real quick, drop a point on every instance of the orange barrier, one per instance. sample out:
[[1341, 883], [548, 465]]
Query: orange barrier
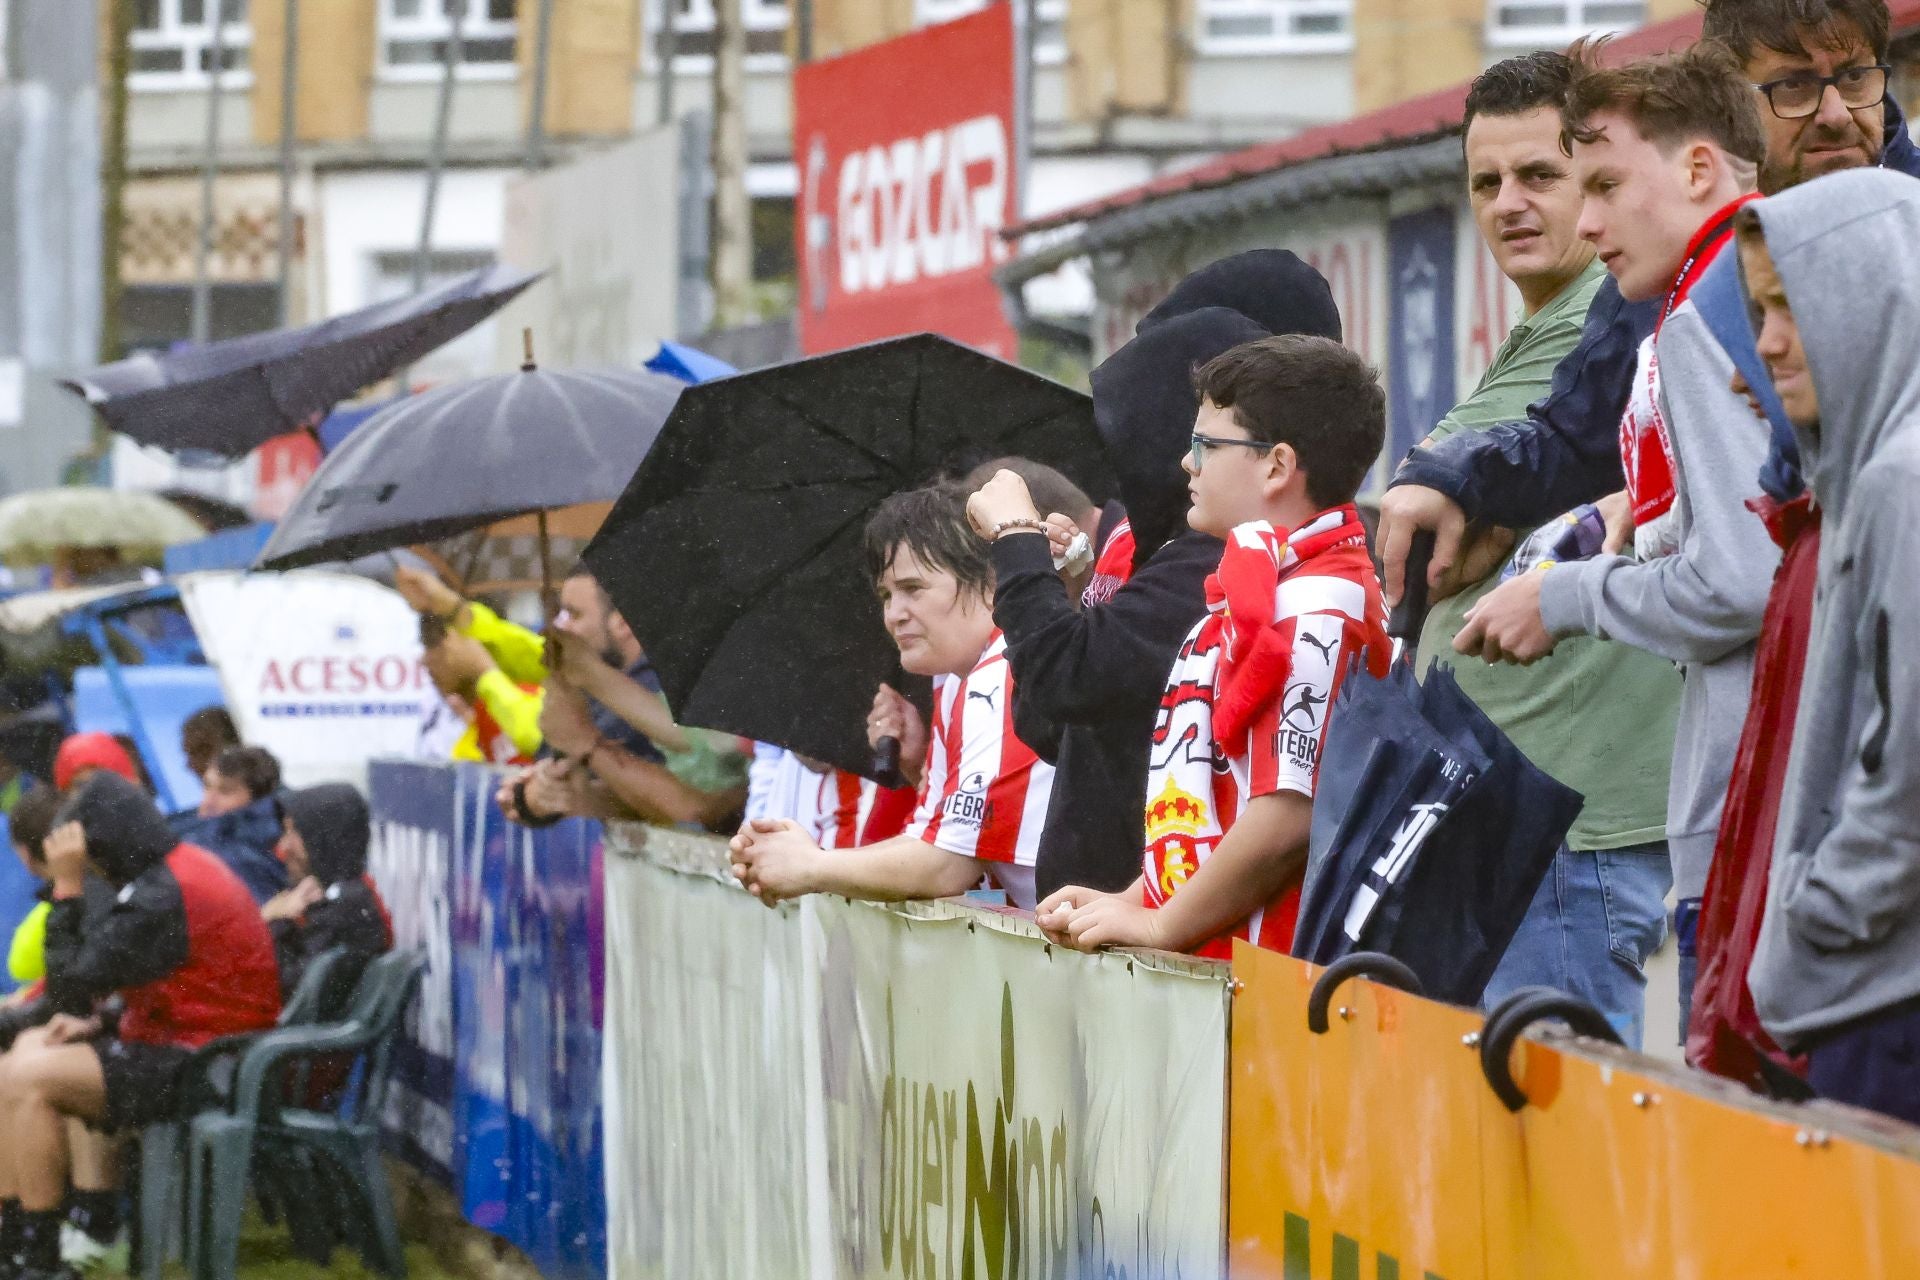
[[1378, 1151]]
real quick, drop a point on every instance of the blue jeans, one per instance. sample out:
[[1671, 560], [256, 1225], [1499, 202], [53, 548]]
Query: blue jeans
[[1686, 940], [1597, 917]]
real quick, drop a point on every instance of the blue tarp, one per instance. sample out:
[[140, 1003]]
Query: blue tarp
[[228, 549], [500, 1071]]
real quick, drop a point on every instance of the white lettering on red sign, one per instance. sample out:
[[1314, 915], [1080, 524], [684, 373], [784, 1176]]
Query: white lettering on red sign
[[923, 207]]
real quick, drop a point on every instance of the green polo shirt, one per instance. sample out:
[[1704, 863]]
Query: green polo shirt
[[1596, 714]]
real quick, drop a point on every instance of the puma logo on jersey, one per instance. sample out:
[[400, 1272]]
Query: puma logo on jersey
[[985, 695], [1326, 647]]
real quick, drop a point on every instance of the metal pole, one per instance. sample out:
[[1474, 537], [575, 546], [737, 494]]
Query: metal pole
[[664, 50], [1025, 38], [537, 108], [732, 261], [289, 76], [113, 179], [803, 31], [209, 168], [437, 146]]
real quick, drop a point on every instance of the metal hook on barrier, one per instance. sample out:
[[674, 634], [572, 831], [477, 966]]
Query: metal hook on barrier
[[1514, 1015], [1376, 965]]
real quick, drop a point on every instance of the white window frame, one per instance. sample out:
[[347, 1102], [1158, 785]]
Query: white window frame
[[1050, 53], [435, 22], [1552, 37], [195, 42], [1282, 39], [756, 15]]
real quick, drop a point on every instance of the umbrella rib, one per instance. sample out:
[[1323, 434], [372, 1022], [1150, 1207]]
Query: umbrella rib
[[827, 428]]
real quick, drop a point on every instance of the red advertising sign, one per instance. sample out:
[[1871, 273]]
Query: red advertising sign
[[906, 154]]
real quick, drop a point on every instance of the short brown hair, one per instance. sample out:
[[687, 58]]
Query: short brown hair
[[931, 523], [254, 768], [1789, 26], [1700, 93], [1308, 392]]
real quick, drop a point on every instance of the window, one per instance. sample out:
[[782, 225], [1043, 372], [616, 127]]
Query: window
[[1276, 26], [414, 34], [1050, 17], [766, 22], [172, 43], [1545, 24]]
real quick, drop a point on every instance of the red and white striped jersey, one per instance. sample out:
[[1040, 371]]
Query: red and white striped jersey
[[853, 811], [985, 792], [1206, 764]]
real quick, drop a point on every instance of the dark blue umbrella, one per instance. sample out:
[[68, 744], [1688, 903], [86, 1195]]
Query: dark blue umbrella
[[230, 397], [466, 455], [1431, 833]]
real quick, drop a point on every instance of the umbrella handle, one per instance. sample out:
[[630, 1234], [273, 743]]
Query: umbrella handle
[[1514, 1015], [1406, 618], [1377, 965], [886, 763]]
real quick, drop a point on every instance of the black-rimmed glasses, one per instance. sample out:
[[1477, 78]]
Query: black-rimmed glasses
[[1197, 447], [1796, 97]]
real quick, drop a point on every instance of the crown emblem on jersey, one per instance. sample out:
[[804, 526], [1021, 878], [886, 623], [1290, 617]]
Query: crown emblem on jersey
[[1175, 812]]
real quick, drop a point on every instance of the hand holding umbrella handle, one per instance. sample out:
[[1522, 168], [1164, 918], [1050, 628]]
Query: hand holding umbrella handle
[[1407, 617], [886, 763]]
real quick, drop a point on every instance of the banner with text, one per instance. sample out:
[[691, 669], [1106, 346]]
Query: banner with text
[[906, 178]]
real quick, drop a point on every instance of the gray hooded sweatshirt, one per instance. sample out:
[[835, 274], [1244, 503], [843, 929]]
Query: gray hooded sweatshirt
[[1841, 937], [1701, 605]]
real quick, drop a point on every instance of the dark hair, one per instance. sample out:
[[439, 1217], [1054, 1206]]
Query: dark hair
[[1700, 93], [1786, 26], [1051, 491], [1311, 393], [213, 725], [253, 767], [32, 818], [931, 523], [432, 631], [1519, 84]]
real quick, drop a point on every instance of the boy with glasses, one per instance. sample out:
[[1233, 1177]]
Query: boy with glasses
[[1286, 432]]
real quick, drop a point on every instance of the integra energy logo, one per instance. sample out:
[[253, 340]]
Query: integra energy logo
[[969, 1188]]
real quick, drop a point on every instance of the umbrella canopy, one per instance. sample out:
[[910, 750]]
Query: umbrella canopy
[[735, 554], [36, 525], [1431, 833], [467, 455], [229, 397]]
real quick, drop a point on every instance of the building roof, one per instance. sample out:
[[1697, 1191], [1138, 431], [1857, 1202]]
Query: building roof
[[1413, 121]]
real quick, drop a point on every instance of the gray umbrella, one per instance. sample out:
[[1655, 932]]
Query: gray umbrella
[[229, 397], [466, 455]]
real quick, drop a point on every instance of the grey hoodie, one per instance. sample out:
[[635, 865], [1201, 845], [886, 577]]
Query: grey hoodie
[[1700, 606], [1841, 937]]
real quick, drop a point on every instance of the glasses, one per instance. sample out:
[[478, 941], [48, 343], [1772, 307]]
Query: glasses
[[1798, 96], [1198, 446]]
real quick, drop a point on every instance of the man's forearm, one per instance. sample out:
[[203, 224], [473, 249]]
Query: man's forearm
[[1266, 849], [638, 705], [647, 788], [897, 870]]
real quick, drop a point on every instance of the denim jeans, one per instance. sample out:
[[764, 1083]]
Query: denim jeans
[[1597, 917], [1686, 941]]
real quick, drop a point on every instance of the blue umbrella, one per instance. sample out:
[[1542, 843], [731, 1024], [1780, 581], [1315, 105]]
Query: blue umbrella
[[230, 397], [689, 364]]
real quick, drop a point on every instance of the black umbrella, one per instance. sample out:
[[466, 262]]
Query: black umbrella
[[231, 396], [735, 554], [462, 456], [1431, 833]]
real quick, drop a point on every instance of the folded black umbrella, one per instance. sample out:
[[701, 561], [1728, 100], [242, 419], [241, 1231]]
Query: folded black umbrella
[[735, 554], [1431, 833], [462, 456], [231, 396]]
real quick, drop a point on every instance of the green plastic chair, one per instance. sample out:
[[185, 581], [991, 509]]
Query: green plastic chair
[[315, 1158], [162, 1227]]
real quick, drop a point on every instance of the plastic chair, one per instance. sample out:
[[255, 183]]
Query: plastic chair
[[162, 1228], [314, 1156]]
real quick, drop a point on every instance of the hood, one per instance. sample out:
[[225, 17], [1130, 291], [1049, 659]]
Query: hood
[[125, 833], [1843, 247], [1721, 299], [1271, 287], [1143, 405], [333, 823], [1898, 152], [91, 751]]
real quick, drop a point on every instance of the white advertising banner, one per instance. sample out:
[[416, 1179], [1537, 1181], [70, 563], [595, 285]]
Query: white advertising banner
[[840, 1089], [322, 669]]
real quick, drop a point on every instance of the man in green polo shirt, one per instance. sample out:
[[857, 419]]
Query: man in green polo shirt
[[1595, 714]]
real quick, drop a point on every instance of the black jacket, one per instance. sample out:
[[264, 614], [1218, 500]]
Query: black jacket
[[1091, 682], [334, 825], [1567, 449]]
